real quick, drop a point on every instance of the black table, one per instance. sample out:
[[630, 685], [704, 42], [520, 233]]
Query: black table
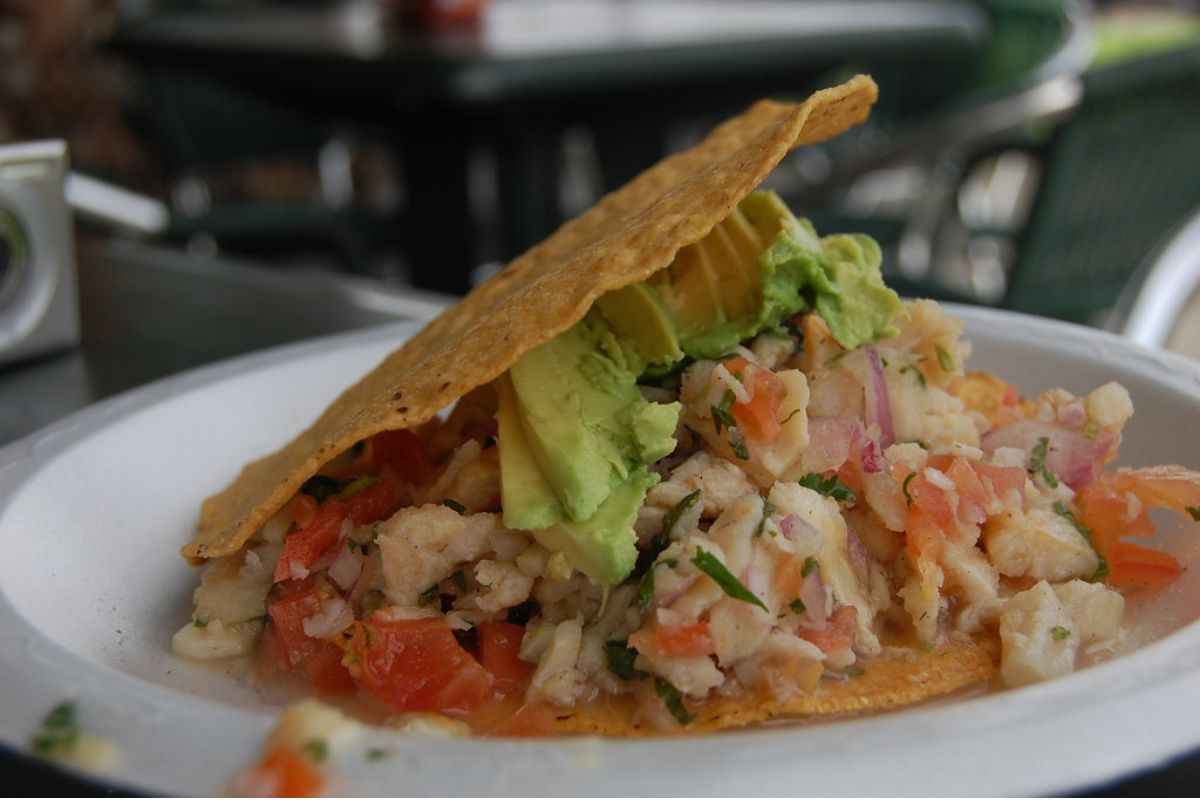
[[627, 73]]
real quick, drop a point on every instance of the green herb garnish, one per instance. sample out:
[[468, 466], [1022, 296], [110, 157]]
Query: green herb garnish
[[351, 545], [797, 606], [454, 504], [1059, 633], [377, 754], [835, 359], [200, 622], [920, 376], [810, 564], [1064, 512], [672, 699], [428, 596], [316, 750], [460, 580], [855, 672], [722, 413], [737, 443], [1091, 430], [925, 647], [1037, 462], [830, 487], [711, 566], [620, 661], [904, 488], [59, 731], [645, 594], [672, 517], [1194, 512], [944, 360]]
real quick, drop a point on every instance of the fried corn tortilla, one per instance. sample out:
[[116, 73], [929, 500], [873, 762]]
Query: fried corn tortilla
[[628, 236]]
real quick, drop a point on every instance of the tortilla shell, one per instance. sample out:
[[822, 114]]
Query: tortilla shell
[[629, 235], [900, 678]]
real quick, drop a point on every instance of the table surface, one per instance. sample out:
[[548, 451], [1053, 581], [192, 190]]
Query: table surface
[[148, 313]]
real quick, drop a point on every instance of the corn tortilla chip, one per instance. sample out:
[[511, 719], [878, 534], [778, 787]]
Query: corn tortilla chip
[[629, 235]]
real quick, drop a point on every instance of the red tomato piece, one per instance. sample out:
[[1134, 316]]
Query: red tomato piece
[[404, 453], [1131, 566], [288, 773], [417, 665], [838, 632], [759, 417], [374, 503], [684, 641], [302, 548], [287, 618], [326, 671], [499, 643]]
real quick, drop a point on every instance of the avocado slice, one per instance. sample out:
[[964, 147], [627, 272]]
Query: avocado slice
[[603, 547], [636, 313]]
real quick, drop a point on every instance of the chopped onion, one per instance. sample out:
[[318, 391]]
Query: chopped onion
[[879, 407], [346, 568]]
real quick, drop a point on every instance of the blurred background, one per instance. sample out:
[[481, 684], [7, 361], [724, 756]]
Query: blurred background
[[364, 155]]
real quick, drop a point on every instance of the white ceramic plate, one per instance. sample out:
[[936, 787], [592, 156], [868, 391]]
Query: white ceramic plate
[[93, 511]]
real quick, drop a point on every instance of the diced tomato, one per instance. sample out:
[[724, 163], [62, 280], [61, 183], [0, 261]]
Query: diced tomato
[[374, 503], [1105, 507], [302, 548], [286, 773], [838, 632], [1012, 396], [759, 417], [404, 453], [303, 509], [499, 643], [1132, 566], [326, 671], [287, 618], [417, 665], [684, 641]]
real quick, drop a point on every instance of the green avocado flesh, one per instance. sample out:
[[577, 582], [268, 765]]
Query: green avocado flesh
[[576, 435]]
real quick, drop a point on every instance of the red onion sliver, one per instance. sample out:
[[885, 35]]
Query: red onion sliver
[[879, 407]]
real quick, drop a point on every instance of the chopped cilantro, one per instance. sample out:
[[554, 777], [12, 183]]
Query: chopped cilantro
[[855, 672], [925, 647], [944, 360], [1060, 633], [712, 567], [59, 731], [904, 488], [835, 359], [722, 413], [377, 754], [1091, 430], [920, 376], [768, 509], [737, 443], [620, 660], [672, 699], [645, 594], [830, 487], [672, 517], [1194, 512], [1037, 462], [454, 504], [1064, 512], [810, 564], [200, 622], [316, 750], [428, 596], [797, 606]]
